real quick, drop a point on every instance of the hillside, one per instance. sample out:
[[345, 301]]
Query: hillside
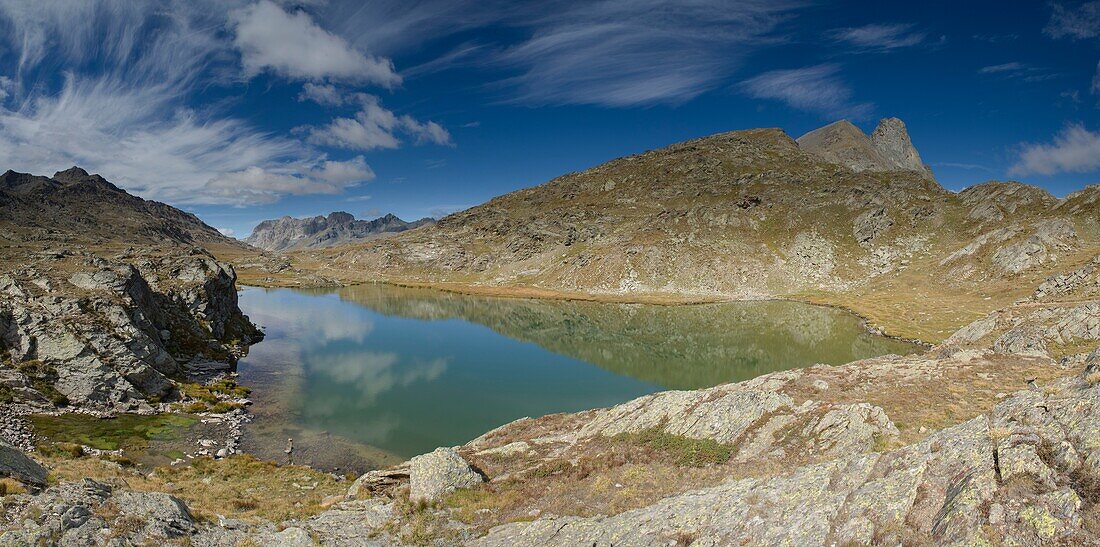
[[75, 207], [748, 214], [288, 233]]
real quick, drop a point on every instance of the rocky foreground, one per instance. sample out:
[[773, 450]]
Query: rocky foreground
[[990, 438]]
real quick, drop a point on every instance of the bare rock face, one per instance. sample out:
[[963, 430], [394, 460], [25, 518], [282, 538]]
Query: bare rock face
[[891, 140], [109, 337], [92, 513], [751, 416], [15, 464], [319, 232], [887, 149]]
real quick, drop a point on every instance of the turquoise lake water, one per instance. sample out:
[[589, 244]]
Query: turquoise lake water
[[368, 375]]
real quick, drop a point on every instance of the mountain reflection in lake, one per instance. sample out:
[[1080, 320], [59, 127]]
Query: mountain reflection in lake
[[364, 375]]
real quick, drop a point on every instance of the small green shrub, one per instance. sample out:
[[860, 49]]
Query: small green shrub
[[684, 451]]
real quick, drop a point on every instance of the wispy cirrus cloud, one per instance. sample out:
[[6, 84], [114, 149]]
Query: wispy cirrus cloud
[[1074, 150], [1016, 69], [818, 89], [880, 37], [1076, 23], [112, 86], [615, 53], [637, 51]]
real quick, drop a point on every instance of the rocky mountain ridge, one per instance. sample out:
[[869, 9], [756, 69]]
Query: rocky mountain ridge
[[288, 233], [76, 206]]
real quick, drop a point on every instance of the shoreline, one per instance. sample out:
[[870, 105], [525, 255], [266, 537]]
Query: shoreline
[[651, 299]]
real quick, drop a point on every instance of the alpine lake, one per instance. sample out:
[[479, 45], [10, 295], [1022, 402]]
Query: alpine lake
[[367, 376], [370, 375]]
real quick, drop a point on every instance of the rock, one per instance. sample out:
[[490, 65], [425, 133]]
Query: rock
[[510, 449], [15, 464], [103, 346], [438, 473], [887, 149], [165, 516], [292, 537], [842, 501], [750, 416]]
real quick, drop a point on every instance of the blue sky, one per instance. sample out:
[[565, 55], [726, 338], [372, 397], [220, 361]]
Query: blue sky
[[242, 110]]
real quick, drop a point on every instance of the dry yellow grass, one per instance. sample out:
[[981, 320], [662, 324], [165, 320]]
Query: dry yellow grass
[[240, 487]]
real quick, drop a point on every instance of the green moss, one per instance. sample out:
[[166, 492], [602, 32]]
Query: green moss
[[126, 431], [685, 451], [214, 397]]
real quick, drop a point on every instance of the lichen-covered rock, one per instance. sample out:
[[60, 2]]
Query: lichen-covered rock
[[849, 500], [109, 339], [438, 473], [751, 416], [1020, 475]]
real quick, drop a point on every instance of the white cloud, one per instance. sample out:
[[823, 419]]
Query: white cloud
[[1015, 69], [879, 36], [343, 172], [227, 232], [294, 46], [814, 89], [1080, 23], [1074, 150], [375, 127], [257, 185], [426, 132], [322, 94]]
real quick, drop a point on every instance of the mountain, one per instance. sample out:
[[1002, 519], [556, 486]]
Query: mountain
[[74, 206], [750, 214], [319, 231], [887, 149]]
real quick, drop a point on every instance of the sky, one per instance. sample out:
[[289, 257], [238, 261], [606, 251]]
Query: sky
[[244, 110]]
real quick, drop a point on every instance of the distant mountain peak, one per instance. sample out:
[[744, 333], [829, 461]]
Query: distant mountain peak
[[336, 228], [889, 147], [72, 173]]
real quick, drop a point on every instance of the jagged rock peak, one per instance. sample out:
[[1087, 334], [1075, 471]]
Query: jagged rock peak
[[891, 139], [889, 147], [71, 173]]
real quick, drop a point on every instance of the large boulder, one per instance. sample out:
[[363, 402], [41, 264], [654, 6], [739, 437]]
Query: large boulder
[[433, 475], [165, 516], [15, 464]]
